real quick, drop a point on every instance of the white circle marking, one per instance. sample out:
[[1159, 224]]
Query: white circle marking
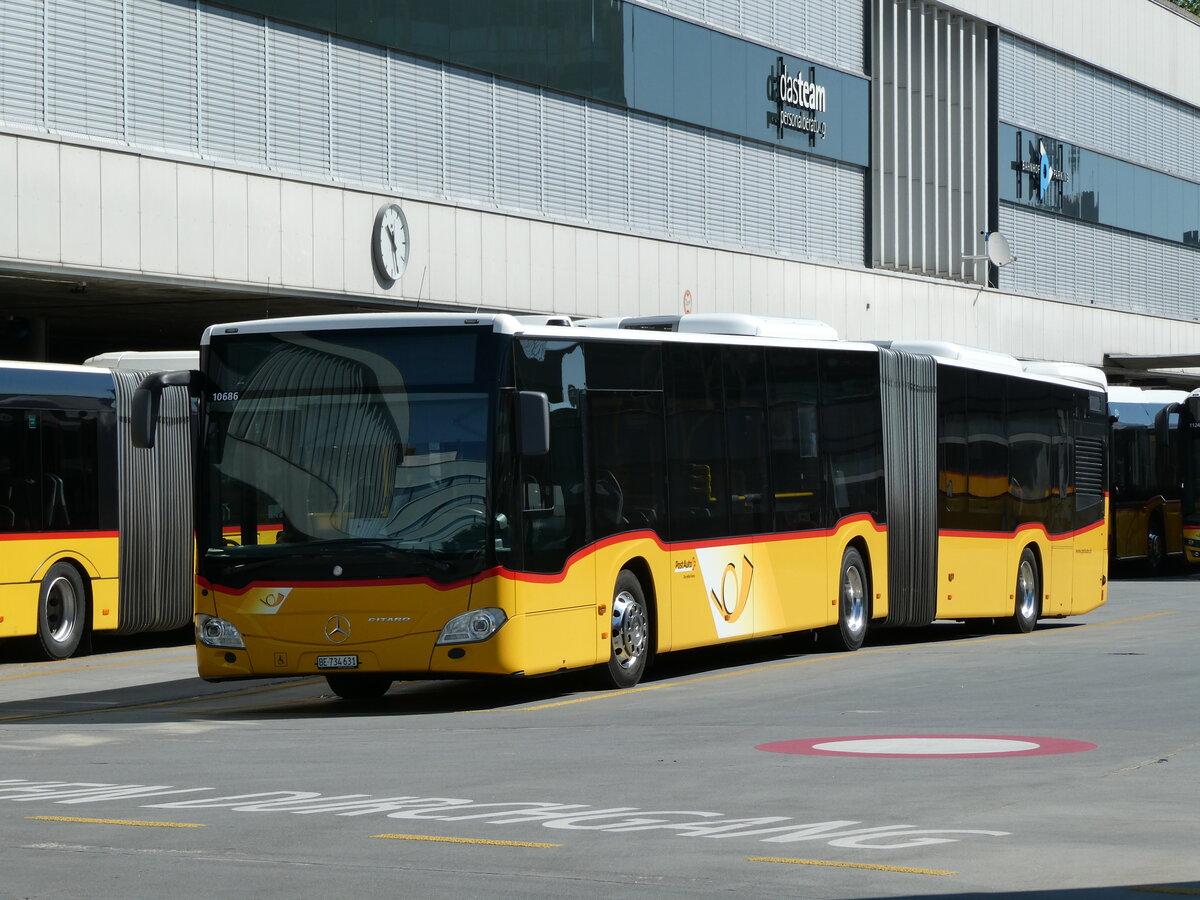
[[919, 746]]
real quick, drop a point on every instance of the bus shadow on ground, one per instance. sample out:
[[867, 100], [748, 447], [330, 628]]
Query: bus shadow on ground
[[308, 697]]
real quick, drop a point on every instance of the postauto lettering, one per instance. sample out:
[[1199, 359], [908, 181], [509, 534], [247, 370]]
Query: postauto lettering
[[573, 816]]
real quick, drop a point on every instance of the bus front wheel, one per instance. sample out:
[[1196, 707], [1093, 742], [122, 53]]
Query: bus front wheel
[[359, 687], [1028, 594], [630, 633], [62, 611], [854, 586]]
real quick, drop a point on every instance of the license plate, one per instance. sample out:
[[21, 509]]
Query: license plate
[[337, 662]]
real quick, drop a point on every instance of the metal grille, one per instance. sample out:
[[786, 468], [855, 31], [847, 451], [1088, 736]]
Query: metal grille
[[930, 159], [1089, 467]]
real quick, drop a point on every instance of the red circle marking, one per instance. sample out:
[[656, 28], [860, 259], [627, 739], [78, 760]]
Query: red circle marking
[[929, 746]]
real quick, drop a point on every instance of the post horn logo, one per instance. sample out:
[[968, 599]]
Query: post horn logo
[[735, 592]]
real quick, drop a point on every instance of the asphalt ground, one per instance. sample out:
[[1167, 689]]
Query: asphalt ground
[[942, 761]]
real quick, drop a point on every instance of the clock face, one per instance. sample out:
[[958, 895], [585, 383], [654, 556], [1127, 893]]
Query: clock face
[[389, 244]]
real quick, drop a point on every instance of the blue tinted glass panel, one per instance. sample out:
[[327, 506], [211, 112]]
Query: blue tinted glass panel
[[1096, 188], [693, 55], [728, 99], [653, 63]]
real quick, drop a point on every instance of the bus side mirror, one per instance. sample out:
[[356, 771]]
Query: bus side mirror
[[1193, 407], [533, 423], [143, 416]]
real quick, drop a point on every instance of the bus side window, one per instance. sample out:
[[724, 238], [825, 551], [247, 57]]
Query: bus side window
[[793, 439]]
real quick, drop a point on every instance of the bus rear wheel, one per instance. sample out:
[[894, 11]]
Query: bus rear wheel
[[1156, 553], [359, 687], [854, 611], [62, 611], [1028, 595], [630, 633]]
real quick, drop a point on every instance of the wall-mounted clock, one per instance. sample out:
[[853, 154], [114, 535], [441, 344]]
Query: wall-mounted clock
[[390, 242]]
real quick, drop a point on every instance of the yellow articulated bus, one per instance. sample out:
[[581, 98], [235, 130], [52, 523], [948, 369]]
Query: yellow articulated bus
[[431, 496], [94, 534]]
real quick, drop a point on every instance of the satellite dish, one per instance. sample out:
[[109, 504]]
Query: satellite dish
[[996, 246]]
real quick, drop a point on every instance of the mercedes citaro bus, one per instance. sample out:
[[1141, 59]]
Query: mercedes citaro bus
[[388, 496]]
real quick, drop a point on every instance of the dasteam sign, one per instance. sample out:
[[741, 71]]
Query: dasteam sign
[[798, 101]]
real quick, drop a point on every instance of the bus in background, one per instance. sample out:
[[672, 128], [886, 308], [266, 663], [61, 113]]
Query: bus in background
[[445, 495], [95, 535], [1146, 476], [1189, 432]]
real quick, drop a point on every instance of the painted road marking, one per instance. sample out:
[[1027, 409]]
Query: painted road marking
[[930, 746], [116, 822], [454, 840], [846, 865]]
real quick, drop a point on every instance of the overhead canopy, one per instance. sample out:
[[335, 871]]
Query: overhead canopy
[[1171, 370]]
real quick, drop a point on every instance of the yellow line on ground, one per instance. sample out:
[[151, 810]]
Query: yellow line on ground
[[808, 660], [71, 670], [846, 865], [454, 840], [116, 822], [66, 714]]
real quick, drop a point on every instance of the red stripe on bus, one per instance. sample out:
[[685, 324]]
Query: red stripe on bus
[[56, 535]]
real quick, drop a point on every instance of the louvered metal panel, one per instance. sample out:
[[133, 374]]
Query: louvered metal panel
[[161, 70], [930, 165], [909, 398], [417, 127], [157, 549], [686, 180], [298, 94], [21, 62], [85, 68], [233, 94], [768, 221], [470, 148], [607, 148], [725, 186], [360, 113], [648, 176], [520, 148], [565, 186]]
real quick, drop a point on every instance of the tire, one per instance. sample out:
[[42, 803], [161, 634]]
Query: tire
[[1156, 549], [630, 633], [1028, 595], [359, 687], [62, 611], [854, 605]]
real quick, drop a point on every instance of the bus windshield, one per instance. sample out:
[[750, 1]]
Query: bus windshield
[[371, 442]]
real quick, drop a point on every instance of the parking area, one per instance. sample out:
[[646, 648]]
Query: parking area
[[935, 762]]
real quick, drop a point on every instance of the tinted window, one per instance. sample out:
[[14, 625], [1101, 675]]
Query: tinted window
[[745, 430], [628, 484], [987, 452], [552, 486], [696, 442], [852, 431], [794, 439], [953, 467]]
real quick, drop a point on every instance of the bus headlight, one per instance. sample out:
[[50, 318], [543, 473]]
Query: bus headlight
[[472, 627], [214, 632]]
